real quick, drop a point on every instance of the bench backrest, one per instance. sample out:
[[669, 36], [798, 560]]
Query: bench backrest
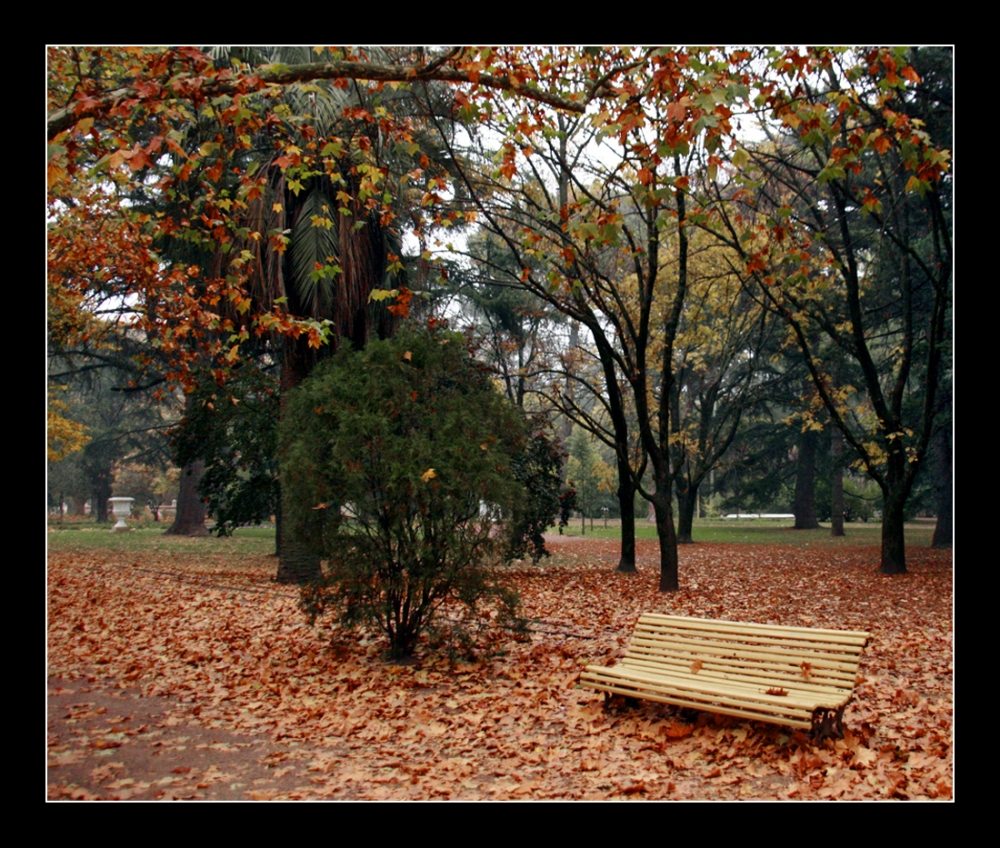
[[798, 658]]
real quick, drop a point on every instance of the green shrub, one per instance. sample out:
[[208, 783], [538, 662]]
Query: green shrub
[[398, 463], [537, 466], [235, 431]]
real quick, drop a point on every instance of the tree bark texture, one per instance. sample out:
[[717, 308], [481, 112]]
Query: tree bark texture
[[943, 529], [296, 563], [687, 503], [805, 483], [190, 517], [626, 502], [99, 501], [837, 482], [893, 541], [669, 571]]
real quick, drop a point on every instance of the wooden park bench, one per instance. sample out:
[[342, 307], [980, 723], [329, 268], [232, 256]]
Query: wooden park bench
[[797, 676]]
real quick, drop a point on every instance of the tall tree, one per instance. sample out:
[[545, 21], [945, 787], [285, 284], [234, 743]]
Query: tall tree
[[843, 220], [722, 372], [621, 209]]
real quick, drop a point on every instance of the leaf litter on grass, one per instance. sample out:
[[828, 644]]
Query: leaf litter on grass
[[227, 651]]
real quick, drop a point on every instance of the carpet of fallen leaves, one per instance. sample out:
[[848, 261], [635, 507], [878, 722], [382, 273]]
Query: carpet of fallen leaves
[[192, 677]]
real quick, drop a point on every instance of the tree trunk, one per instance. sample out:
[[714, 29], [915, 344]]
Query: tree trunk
[[570, 391], [663, 509], [278, 526], [837, 483], [99, 501], [942, 530], [296, 563], [190, 517], [687, 502], [626, 503], [805, 483], [893, 541]]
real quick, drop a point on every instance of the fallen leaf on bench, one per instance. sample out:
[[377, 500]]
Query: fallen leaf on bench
[[774, 691], [696, 666], [806, 669]]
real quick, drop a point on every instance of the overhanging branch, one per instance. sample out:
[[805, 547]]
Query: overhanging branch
[[63, 119]]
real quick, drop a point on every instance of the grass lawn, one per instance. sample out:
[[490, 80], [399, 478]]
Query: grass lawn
[[763, 532], [246, 541], [252, 541]]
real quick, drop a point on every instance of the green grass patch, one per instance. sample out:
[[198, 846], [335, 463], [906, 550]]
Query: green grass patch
[[248, 541], [763, 532], [259, 541]]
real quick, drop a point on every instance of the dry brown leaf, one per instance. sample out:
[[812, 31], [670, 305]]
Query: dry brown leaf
[[209, 635], [678, 731]]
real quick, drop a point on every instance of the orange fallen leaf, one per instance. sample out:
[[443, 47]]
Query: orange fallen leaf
[[678, 731]]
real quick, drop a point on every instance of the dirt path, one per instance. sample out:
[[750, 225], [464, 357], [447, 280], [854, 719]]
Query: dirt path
[[106, 742]]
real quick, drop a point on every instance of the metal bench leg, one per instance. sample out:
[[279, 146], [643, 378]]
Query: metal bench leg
[[827, 723], [629, 701]]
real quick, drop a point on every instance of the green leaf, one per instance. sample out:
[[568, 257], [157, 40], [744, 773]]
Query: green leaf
[[831, 172]]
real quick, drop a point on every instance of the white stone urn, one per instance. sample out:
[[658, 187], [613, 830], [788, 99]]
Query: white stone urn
[[122, 508]]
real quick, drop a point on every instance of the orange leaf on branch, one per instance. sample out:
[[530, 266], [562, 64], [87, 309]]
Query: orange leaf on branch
[[401, 307]]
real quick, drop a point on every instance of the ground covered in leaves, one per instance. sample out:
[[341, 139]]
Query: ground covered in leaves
[[193, 676]]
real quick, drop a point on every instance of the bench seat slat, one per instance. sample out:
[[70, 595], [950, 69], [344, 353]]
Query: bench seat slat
[[844, 676], [720, 625], [697, 705], [787, 681], [722, 688], [771, 636], [761, 643], [839, 662]]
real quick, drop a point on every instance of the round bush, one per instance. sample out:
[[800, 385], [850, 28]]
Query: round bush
[[398, 463]]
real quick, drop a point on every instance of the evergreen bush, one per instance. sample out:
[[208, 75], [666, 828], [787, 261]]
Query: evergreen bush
[[399, 465]]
